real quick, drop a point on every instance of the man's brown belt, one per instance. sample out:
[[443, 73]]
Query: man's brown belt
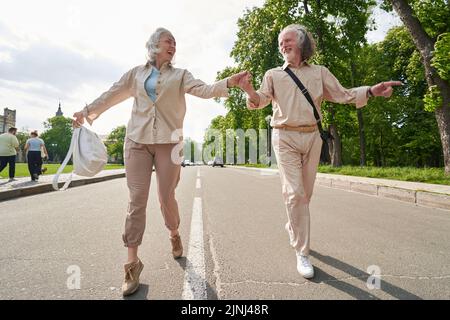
[[307, 128]]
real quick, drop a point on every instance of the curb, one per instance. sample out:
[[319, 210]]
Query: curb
[[418, 197], [47, 187]]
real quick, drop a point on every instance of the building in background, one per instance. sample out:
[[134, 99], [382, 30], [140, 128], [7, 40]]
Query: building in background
[[59, 112], [7, 120]]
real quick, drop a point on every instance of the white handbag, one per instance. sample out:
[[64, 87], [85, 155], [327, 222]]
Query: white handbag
[[89, 156]]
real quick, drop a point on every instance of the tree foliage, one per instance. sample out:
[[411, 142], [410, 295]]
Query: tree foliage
[[115, 143], [57, 137]]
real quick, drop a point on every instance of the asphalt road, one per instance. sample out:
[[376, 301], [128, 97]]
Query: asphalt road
[[240, 251]]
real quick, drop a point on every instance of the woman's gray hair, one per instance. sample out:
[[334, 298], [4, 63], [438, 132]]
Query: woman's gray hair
[[305, 40], [152, 44]]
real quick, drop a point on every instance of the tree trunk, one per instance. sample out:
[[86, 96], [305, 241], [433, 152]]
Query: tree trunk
[[335, 147], [425, 45], [362, 139], [381, 150]]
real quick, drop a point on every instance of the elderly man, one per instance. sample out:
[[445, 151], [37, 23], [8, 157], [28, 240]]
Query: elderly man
[[296, 139], [9, 145]]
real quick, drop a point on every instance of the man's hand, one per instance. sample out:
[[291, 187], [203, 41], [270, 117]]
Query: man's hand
[[79, 119], [384, 89]]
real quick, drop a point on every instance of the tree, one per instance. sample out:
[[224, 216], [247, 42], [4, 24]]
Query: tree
[[115, 143], [426, 21], [399, 132], [22, 137], [57, 137]]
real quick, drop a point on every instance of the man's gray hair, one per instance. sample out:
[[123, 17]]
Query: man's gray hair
[[305, 40], [152, 44]]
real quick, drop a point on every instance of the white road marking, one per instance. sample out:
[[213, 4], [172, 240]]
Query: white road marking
[[198, 184], [194, 287]]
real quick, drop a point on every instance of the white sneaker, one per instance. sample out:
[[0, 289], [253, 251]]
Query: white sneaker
[[304, 266]]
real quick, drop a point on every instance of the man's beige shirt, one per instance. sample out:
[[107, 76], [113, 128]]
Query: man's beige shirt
[[290, 106], [160, 121]]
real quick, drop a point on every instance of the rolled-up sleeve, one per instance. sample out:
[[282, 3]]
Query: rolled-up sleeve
[[120, 91], [333, 91], [265, 93], [200, 89]]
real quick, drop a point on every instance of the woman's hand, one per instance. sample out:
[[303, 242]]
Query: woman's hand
[[79, 119]]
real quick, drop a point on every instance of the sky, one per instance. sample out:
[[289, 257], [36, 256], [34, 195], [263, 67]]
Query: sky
[[72, 51]]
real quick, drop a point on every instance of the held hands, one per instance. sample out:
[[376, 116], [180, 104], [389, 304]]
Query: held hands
[[235, 79], [384, 89], [244, 81]]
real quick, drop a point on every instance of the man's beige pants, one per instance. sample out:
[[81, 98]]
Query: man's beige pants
[[298, 156], [139, 161]]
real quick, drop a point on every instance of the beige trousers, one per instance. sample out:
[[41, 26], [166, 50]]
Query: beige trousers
[[298, 156], [139, 162]]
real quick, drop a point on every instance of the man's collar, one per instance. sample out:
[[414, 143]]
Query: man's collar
[[287, 64]]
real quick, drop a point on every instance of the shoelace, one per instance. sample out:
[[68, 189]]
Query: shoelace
[[129, 275], [305, 262]]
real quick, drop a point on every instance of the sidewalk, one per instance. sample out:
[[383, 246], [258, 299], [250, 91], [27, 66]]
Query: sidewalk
[[24, 186], [421, 194]]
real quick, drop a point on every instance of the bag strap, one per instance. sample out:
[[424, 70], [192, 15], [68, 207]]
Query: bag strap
[[307, 96], [74, 140]]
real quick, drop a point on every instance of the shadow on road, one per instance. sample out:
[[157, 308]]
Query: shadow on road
[[358, 293], [211, 293], [140, 294], [25, 184]]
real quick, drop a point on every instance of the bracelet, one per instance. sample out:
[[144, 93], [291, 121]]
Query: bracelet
[[369, 92]]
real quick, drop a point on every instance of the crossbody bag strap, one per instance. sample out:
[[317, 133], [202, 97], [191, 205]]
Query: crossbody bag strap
[[74, 140], [307, 96]]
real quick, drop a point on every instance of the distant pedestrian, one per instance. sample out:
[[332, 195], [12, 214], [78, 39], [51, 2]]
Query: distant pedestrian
[[35, 147], [9, 145]]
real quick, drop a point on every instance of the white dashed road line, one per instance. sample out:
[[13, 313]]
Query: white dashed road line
[[194, 287]]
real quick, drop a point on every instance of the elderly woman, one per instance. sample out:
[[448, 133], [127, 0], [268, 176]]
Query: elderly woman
[[153, 135], [296, 139], [35, 147]]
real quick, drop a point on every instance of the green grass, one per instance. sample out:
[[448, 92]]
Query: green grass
[[22, 169], [256, 165], [426, 175]]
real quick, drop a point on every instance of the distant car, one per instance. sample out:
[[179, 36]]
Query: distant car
[[210, 162], [218, 162], [186, 163]]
